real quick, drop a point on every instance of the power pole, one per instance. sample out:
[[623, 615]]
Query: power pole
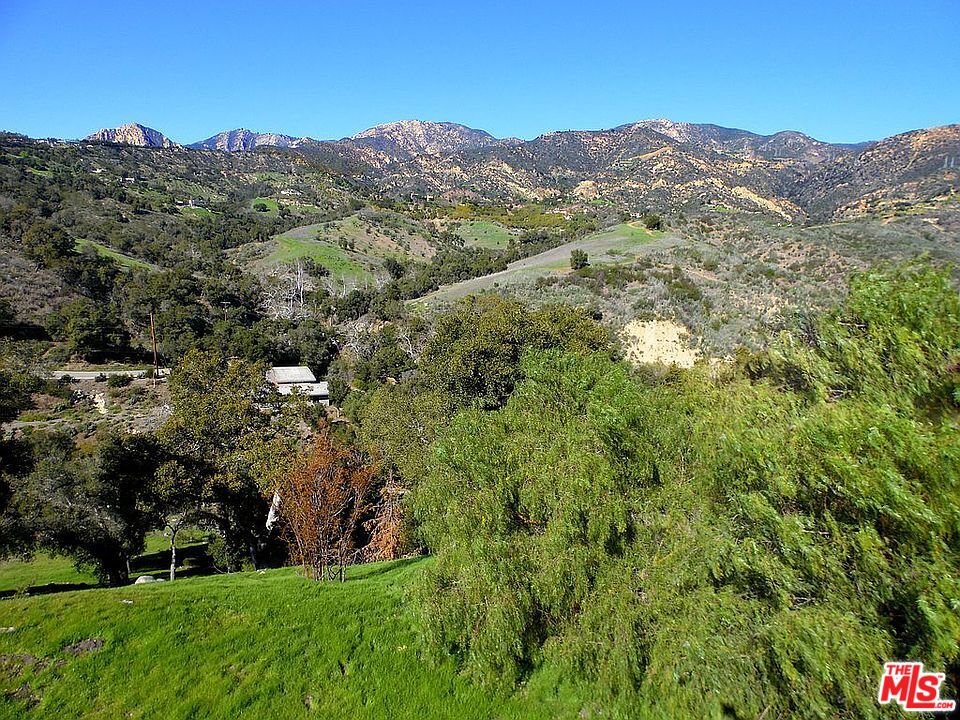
[[153, 337]]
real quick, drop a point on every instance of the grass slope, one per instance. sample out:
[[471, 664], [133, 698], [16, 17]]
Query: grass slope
[[484, 234], [124, 260], [303, 242], [268, 644], [614, 245]]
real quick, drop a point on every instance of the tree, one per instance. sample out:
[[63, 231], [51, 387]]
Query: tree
[[90, 329], [394, 267], [224, 448], [652, 221], [261, 207], [95, 509], [397, 428], [326, 495], [578, 259], [789, 526], [474, 354], [15, 536], [46, 244]]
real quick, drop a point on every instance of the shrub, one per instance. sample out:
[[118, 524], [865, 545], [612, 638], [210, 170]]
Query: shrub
[[324, 498], [714, 543], [578, 259], [651, 221]]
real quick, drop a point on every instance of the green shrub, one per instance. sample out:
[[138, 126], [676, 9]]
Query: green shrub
[[714, 543]]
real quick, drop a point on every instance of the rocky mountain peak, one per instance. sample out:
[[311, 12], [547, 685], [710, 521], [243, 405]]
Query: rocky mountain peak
[[407, 138], [241, 139], [132, 134]]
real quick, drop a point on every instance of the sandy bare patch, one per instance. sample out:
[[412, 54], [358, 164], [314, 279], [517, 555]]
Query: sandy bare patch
[[658, 341]]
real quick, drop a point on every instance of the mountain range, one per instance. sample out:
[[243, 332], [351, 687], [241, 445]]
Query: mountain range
[[651, 164]]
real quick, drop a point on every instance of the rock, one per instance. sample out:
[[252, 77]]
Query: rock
[[85, 646], [143, 579], [132, 134]]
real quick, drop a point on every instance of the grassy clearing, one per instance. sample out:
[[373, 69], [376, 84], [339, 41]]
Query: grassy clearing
[[47, 573], [302, 242], [616, 245], [44, 570], [272, 206], [268, 644], [121, 258], [199, 212], [480, 233]]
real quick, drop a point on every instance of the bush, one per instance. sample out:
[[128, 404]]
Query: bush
[[710, 544], [578, 259], [119, 381]]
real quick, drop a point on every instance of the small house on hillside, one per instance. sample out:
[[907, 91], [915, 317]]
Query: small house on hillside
[[302, 378]]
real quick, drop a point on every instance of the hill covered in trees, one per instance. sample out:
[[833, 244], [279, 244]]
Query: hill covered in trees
[[752, 536]]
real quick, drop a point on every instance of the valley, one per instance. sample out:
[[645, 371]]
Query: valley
[[564, 420]]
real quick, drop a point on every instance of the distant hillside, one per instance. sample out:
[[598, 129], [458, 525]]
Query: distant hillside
[[132, 134], [648, 165], [242, 139], [410, 138]]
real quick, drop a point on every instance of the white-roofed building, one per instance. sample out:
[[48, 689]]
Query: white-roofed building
[[299, 378]]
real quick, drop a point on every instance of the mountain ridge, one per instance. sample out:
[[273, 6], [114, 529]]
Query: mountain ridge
[[132, 134], [648, 164]]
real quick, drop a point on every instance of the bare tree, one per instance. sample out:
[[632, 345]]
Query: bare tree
[[327, 495]]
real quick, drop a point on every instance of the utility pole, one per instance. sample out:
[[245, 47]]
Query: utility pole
[[153, 337]]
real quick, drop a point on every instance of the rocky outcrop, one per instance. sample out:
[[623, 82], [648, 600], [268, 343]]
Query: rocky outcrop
[[132, 134], [241, 140], [409, 138]]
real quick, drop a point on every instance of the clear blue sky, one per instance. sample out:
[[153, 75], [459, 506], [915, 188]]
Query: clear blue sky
[[839, 70]]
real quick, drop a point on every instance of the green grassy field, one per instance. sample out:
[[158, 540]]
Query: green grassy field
[[615, 245], [42, 571], [480, 233], [199, 212], [257, 644], [45, 573], [123, 260], [272, 207], [302, 242]]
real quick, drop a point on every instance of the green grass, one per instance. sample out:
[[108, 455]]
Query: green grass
[[616, 245], [481, 233], [44, 572], [200, 212], [246, 645], [297, 243], [272, 207], [121, 258]]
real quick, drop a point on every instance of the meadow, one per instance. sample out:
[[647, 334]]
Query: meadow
[[616, 245], [252, 644], [125, 261], [485, 234]]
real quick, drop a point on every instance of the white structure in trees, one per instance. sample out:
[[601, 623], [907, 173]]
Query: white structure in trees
[[302, 378]]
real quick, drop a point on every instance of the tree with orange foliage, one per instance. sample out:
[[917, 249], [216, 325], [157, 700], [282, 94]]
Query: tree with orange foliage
[[325, 496]]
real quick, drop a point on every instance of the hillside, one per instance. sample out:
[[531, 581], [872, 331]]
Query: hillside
[[246, 644], [651, 164], [132, 134]]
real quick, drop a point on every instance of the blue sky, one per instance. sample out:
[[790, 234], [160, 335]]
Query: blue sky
[[841, 71]]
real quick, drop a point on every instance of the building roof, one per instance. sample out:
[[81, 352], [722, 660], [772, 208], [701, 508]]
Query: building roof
[[314, 389], [291, 374]]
